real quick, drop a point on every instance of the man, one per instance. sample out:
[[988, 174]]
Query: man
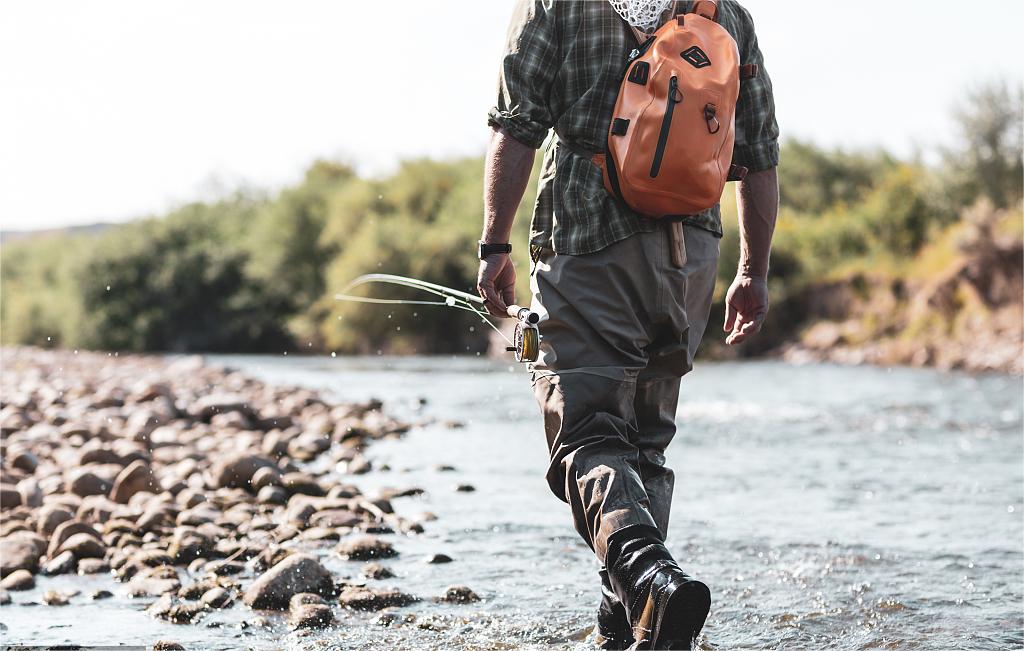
[[622, 322]]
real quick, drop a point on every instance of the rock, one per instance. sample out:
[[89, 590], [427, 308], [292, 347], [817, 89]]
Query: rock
[[18, 580], [272, 495], [190, 498], [49, 517], [392, 493], [83, 545], [465, 488], [198, 589], [27, 535], [231, 420], [54, 598], [5, 597], [237, 471], [296, 573], [167, 645], [140, 425], [152, 519], [98, 455], [206, 407], [92, 566], [377, 571], [137, 477], [310, 616], [63, 563], [459, 594], [265, 477], [82, 482], [31, 494], [145, 586], [202, 514], [139, 561], [332, 518], [169, 608], [101, 594], [362, 598], [18, 555], [437, 559], [189, 544], [321, 533], [66, 530], [298, 513], [304, 598], [365, 548], [26, 461], [301, 483], [96, 508], [216, 598], [9, 497], [224, 568]]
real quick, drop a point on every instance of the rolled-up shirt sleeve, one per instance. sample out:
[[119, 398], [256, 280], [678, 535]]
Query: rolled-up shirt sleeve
[[528, 69], [757, 132]]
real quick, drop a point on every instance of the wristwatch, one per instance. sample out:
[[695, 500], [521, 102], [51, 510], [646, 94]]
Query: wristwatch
[[487, 249]]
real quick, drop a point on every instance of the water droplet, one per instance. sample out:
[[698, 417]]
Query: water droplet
[[108, 288], [334, 354]]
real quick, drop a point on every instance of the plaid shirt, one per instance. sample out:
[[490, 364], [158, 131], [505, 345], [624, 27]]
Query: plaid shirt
[[562, 69]]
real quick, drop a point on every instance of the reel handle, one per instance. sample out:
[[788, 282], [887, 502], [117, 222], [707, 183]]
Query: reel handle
[[523, 314]]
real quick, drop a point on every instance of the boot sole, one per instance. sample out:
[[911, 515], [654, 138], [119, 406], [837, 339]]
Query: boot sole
[[683, 616]]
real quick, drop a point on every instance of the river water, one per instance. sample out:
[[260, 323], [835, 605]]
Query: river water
[[827, 507]]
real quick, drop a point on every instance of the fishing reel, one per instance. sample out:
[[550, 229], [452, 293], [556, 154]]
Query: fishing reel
[[526, 340]]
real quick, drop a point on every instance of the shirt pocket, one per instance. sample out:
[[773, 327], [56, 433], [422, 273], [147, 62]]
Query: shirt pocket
[[581, 199]]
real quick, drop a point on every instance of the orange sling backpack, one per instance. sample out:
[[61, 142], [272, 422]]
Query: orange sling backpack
[[670, 141]]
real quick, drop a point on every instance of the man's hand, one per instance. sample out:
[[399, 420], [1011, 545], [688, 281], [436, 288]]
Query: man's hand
[[746, 305], [496, 283]]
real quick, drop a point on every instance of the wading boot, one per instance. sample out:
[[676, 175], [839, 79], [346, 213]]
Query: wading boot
[[613, 629], [665, 606]]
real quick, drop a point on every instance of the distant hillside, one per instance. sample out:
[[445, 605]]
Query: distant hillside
[[84, 229]]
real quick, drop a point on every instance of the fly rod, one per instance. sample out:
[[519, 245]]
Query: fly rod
[[526, 339]]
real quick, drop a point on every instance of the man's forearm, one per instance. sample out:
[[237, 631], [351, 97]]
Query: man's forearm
[[757, 200], [506, 173]]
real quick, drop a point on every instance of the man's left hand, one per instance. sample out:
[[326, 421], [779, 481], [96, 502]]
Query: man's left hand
[[746, 305]]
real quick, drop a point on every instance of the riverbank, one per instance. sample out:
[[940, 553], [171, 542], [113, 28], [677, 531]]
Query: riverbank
[[198, 488], [897, 522]]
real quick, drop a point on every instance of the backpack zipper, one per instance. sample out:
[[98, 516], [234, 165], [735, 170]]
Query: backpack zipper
[[670, 105]]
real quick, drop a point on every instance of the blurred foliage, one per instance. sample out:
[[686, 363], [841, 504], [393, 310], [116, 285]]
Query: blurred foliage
[[259, 273], [987, 160]]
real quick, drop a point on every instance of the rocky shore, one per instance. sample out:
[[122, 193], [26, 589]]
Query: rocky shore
[[196, 487]]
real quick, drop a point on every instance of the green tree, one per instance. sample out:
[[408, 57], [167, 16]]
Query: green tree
[[987, 159]]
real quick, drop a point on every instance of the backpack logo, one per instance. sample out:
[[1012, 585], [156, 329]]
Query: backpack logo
[[695, 57]]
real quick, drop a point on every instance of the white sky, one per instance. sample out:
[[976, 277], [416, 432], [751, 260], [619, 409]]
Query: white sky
[[114, 109]]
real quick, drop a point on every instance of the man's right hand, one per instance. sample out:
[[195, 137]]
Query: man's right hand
[[496, 283]]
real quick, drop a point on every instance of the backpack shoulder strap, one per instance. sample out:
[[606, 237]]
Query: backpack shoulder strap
[[706, 8]]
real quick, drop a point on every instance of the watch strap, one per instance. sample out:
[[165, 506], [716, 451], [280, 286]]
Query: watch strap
[[487, 249]]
